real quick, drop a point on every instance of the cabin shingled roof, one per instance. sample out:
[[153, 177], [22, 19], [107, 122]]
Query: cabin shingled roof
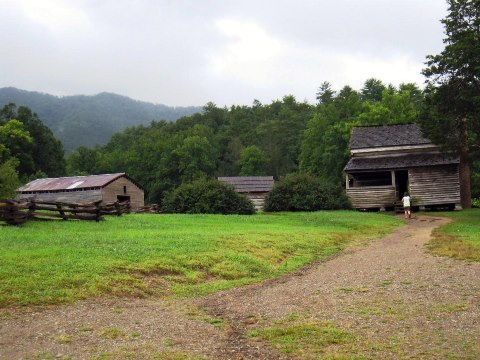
[[387, 135], [72, 183], [246, 184], [400, 162]]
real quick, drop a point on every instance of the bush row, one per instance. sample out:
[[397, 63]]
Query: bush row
[[303, 192], [295, 192], [207, 197]]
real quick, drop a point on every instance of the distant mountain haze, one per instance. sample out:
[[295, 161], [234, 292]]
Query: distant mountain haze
[[90, 120]]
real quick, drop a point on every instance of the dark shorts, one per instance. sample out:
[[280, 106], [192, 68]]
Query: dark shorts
[[406, 207]]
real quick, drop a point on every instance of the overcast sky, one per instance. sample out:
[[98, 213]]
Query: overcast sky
[[189, 52]]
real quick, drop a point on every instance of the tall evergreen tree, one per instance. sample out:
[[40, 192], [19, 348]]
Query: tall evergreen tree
[[325, 93], [372, 90], [452, 118]]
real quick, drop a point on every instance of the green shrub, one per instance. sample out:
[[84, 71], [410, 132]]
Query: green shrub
[[303, 192], [207, 197], [476, 203]]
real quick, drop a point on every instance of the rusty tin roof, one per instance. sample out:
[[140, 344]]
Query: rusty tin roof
[[71, 183]]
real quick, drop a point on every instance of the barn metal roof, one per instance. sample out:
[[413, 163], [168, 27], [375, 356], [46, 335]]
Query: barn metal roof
[[70, 183], [400, 162], [245, 184], [387, 135]]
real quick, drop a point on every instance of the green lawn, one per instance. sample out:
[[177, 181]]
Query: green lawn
[[460, 238], [186, 255]]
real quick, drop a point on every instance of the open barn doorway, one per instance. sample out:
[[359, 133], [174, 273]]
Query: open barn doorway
[[123, 198], [401, 182]]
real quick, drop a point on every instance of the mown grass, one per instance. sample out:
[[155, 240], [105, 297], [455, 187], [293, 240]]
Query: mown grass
[[187, 255], [460, 238]]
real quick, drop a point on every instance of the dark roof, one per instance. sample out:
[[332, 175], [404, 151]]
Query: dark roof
[[72, 183], [400, 162], [245, 184], [387, 135]]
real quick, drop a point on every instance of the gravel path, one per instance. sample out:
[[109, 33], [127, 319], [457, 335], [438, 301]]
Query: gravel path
[[397, 299]]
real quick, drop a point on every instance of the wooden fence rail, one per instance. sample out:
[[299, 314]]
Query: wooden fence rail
[[149, 209], [17, 212]]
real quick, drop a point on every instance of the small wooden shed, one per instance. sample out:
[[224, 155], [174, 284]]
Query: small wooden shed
[[387, 161], [80, 189], [254, 187]]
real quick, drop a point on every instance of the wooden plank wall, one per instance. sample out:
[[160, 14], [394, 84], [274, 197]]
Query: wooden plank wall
[[258, 199], [434, 185], [112, 190], [369, 197]]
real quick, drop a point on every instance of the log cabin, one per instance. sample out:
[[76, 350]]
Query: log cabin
[[106, 188], [387, 161], [254, 187]]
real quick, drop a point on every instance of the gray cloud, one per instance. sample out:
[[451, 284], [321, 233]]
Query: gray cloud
[[228, 52]]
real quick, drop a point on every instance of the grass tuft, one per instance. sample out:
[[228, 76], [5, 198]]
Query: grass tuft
[[111, 333], [303, 338]]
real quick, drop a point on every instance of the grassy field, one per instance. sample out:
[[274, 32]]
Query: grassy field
[[141, 255], [460, 238]]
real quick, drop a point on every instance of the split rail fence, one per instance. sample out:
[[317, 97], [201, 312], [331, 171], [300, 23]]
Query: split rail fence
[[16, 212]]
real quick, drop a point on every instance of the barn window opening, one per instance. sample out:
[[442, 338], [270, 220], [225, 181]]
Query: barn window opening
[[381, 178], [123, 198], [124, 189]]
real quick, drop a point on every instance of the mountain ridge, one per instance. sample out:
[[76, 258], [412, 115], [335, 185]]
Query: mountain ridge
[[89, 120]]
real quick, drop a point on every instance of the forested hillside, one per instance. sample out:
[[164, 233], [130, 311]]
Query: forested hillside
[[28, 149], [282, 137], [90, 120]]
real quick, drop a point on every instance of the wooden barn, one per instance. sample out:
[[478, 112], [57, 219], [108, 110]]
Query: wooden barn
[[254, 187], [386, 161], [80, 189]]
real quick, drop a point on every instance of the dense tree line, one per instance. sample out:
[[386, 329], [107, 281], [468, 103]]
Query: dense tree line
[[275, 139]]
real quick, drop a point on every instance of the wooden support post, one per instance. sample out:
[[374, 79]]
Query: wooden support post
[[98, 212], [60, 210], [394, 184], [31, 209], [117, 208]]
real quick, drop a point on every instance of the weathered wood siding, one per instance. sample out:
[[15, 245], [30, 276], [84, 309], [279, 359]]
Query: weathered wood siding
[[77, 196], [116, 188], [369, 197], [434, 185], [258, 199]]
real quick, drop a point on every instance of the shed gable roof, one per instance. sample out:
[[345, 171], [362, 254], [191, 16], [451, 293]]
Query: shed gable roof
[[387, 136], [71, 183], [245, 184]]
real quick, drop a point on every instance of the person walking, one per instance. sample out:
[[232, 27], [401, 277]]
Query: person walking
[[406, 205]]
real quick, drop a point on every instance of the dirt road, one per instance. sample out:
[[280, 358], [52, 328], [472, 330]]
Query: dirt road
[[397, 299]]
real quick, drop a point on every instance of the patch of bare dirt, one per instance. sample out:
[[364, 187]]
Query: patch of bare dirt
[[399, 300]]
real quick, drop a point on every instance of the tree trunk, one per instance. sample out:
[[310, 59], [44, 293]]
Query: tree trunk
[[464, 167], [465, 191]]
